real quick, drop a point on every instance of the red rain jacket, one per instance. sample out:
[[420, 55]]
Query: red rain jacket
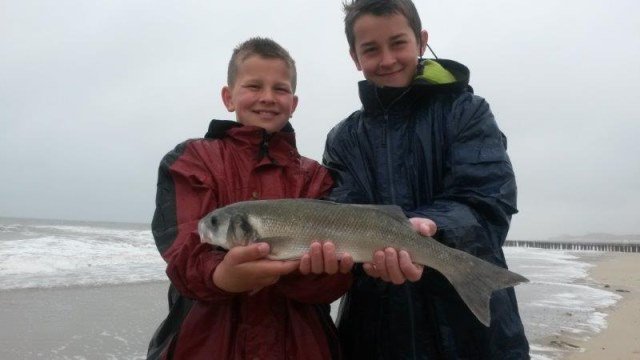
[[288, 320]]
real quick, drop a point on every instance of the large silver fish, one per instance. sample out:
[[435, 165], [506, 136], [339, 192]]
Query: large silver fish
[[289, 226]]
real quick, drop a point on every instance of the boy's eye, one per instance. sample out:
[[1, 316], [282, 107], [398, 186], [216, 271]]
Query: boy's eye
[[283, 90], [252, 86]]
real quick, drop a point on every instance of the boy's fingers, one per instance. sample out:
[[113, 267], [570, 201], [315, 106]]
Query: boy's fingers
[[393, 266], [330, 258], [317, 263], [411, 271], [269, 268], [380, 266], [242, 254], [428, 229], [305, 264], [424, 226], [370, 270], [346, 263]]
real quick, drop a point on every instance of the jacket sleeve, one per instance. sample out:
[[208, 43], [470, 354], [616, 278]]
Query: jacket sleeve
[[314, 289], [350, 185], [184, 195], [474, 209]]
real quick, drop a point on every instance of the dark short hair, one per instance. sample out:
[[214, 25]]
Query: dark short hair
[[353, 9], [265, 48]]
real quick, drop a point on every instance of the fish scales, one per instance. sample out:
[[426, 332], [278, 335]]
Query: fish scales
[[291, 225], [305, 223]]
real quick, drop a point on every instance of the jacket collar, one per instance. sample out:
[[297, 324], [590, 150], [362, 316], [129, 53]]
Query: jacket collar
[[276, 148], [434, 77], [218, 128]]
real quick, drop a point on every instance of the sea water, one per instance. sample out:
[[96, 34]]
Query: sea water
[[558, 300], [41, 254]]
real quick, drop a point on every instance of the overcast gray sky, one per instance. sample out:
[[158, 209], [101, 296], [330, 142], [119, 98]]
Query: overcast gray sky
[[94, 93]]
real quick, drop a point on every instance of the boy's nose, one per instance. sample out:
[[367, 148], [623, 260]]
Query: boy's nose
[[267, 96], [388, 58]]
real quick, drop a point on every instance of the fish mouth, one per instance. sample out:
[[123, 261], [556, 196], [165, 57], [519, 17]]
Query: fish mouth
[[205, 233]]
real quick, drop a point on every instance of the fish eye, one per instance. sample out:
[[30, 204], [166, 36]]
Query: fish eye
[[214, 221]]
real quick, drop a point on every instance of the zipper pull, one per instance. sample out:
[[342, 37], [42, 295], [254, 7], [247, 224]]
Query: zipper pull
[[264, 145], [384, 130]]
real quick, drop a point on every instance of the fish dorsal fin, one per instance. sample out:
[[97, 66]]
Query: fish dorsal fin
[[393, 211], [305, 200]]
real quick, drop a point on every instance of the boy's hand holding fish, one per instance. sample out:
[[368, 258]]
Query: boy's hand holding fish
[[322, 258], [397, 267], [246, 268]]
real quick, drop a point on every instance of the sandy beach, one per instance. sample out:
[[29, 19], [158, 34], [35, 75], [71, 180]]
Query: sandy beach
[[116, 322], [620, 273], [620, 340], [93, 323]]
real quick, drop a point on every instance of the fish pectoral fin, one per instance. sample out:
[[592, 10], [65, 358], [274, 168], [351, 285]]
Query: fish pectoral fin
[[279, 248]]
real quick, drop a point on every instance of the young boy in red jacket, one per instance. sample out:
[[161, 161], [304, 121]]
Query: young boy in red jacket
[[237, 304]]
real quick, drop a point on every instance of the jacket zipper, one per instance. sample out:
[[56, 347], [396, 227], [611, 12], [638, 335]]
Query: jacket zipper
[[264, 147], [384, 129], [386, 140]]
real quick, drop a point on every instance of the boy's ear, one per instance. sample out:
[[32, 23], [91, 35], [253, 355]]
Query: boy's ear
[[354, 57], [227, 99], [424, 38], [294, 105]]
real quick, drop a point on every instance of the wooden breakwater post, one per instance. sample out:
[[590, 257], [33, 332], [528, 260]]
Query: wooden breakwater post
[[590, 246]]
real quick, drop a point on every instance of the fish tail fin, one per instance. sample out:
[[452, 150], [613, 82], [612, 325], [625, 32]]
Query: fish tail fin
[[475, 280]]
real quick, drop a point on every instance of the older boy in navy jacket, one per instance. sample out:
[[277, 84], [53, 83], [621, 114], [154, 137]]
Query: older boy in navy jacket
[[425, 142]]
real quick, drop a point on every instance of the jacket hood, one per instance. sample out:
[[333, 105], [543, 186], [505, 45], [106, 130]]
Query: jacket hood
[[273, 148], [442, 74], [433, 77], [218, 128]]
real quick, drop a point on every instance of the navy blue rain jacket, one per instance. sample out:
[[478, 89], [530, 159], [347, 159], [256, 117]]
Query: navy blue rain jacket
[[436, 151]]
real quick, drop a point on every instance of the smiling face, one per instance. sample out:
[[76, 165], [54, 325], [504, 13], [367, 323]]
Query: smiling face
[[262, 93], [386, 49]]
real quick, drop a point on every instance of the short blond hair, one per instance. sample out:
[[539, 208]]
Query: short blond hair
[[265, 48]]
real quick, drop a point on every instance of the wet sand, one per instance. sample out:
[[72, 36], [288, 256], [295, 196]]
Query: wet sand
[[105, 322], [619, 273], [619, 340]]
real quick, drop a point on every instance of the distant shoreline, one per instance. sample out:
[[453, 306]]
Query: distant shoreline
[[613, 246]]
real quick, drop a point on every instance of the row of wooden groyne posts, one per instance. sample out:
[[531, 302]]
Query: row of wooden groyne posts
[[619, 247]]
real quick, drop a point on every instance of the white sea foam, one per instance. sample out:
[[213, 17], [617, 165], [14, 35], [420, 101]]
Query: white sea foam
[[78, 255], [558, 300], [101, 232]]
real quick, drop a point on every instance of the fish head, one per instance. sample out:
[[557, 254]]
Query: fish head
[[227, 228]]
